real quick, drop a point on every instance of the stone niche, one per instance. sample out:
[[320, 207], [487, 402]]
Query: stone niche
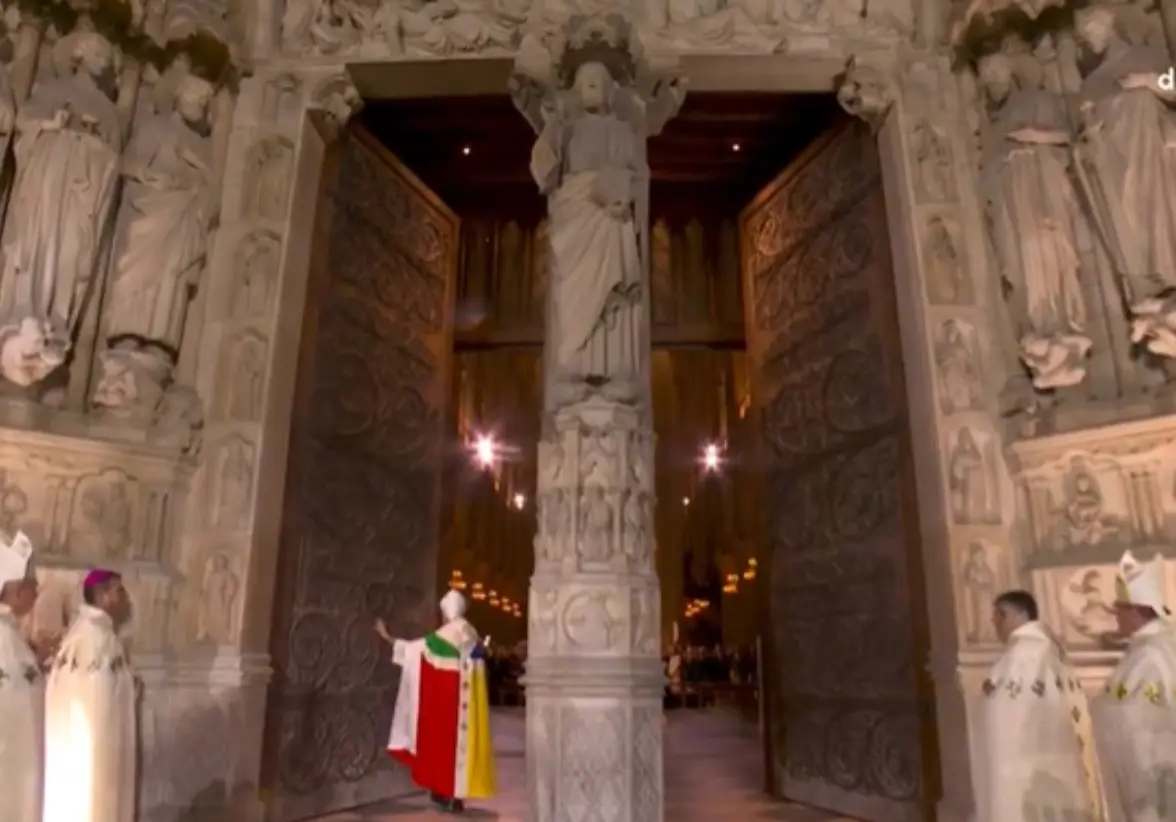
[[1086, 498]]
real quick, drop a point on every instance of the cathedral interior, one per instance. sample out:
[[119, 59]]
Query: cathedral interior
[[707, 165]]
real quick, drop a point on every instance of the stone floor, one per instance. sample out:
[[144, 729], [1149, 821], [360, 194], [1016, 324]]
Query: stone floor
[[712, 775]]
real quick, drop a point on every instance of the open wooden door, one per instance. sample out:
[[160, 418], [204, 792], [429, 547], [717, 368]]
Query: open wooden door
[[850, 716], [360, 523]]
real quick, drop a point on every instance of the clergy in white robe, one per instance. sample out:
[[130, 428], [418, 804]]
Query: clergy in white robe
[[1136, 718], [1038, 748], [22, 689], [90, 735]]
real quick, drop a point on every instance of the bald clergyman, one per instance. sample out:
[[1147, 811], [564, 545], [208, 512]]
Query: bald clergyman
[[90, 712]]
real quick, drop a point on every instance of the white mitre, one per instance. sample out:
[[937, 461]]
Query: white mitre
[[1139, 583], [15, 558], [453, 605]]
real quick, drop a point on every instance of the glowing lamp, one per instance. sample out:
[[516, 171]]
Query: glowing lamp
[[520, 501], [485, 450], [710, 457]]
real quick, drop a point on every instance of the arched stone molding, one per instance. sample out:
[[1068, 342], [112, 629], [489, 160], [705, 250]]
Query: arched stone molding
[[284, 123], [211, 695]]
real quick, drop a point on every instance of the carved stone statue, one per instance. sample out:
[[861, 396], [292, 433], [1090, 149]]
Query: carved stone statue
[[866, 92], [323, 26], [693, 25], [218, 601], [1032, 208], [1128, 165], [168, 208], [590, 162], [980, 588], [68, 139]]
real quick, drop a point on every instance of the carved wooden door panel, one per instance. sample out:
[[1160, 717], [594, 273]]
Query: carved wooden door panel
[[360, 524], [850, 715]]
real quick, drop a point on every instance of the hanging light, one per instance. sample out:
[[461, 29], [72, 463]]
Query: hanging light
[[478, 593], [751, 568], [457, 581], [520, 501], [711, 458], [732, 584], [485, 450]]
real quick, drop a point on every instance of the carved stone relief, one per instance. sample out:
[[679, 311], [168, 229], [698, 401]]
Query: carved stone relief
[[217, 620], [982, 580], [948, 279], [234, 464], [1077, 599], [1089, 508], [255, 275], [242, 389], [933, 164], [593, 622], [404, 29], [973, 477], [592, 780], [597, 479], [268, 173], [645, 611], [961, 378], [543, 616], [281, 99], [154, 594], [1087, 600], [65, 495]]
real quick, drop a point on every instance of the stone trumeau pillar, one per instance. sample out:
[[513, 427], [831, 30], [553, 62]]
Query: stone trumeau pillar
[[594, 674]]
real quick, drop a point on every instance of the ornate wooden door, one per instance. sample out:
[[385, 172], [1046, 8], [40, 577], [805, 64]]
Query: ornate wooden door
[[360, 526], [850, 718]]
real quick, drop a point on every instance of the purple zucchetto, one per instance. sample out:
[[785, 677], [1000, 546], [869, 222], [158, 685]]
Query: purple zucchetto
[[99, 576]]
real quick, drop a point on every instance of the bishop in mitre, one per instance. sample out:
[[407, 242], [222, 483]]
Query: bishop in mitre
[[90, 712], [1039, 756], [22, 690], [1136, 718], [441, 724]]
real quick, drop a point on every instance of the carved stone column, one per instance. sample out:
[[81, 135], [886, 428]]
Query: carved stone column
[[594, 675]]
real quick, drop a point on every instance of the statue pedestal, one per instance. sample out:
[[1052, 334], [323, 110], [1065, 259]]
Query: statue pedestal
[[594, 673]]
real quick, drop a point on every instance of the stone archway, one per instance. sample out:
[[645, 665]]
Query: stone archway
[[291, 95], [247, 321]]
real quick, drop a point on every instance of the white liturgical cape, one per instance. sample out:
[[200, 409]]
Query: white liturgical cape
[[22, 705], [1136, 720], [22, 700], [1038, 755], [90, 726]]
